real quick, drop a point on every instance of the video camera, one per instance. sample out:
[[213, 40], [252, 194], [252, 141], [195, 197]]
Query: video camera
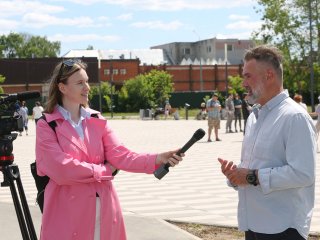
[[10, 120]]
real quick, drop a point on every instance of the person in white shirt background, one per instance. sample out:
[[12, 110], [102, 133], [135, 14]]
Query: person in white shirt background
[[276, 176], [37, 111], [23, 111]]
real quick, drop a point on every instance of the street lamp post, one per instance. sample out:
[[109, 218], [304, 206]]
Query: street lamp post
[[111, 85], [100, 97], [311, 60], [226, 60], [201, 80]]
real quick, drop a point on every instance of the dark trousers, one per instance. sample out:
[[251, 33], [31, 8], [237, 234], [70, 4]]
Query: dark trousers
[[289, 234], [237, 116]]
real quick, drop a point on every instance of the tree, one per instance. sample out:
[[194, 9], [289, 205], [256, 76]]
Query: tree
[[22, 45], [105, 94], [146, 91], [136, 94], [11, 45], [236, 84], [2, 78], [161, 85], [286, 23]]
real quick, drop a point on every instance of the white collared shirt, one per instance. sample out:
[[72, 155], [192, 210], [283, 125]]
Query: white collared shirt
[[77, 126], [281, 144]]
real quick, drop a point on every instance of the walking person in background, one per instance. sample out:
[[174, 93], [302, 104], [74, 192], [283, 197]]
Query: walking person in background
[[37, 111], [276, 177], [237, 112], [230, 113], [23, 111], [246, 110], [80, 158], [213, 110]]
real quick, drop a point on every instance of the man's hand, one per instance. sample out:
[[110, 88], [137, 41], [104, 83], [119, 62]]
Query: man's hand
[[236, 176]]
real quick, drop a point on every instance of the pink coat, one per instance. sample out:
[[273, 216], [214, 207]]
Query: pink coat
[[77, 172]]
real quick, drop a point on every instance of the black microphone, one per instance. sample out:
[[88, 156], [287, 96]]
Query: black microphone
[[164, 168], [21, 96]]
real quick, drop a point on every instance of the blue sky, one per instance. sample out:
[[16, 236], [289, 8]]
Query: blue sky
[[128, 24]]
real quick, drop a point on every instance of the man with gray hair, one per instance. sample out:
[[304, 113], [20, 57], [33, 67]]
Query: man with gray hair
[[276, 176]]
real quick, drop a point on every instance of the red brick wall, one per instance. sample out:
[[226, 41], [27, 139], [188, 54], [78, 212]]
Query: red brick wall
[[131, 67], [185, 78]]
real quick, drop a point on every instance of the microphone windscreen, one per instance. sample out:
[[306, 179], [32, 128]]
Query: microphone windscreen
[[199, 134]]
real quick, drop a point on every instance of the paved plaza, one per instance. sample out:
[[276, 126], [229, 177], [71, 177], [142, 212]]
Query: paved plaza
[[194, 191]]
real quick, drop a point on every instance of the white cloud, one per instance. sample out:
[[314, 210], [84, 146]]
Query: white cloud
[[37, 20], [8, 25], [19, 7], [125, 17], [238, 17], [72, 38], [169, 5], [158, 25]]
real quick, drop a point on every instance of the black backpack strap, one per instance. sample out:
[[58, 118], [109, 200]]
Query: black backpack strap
[[52, 124], [95, 115], [41, 181]]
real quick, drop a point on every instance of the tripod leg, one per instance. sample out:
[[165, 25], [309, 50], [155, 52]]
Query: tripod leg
[[7, 179], [26, 210]]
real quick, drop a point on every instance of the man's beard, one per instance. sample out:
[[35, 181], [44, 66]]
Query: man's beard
[[253, 98]]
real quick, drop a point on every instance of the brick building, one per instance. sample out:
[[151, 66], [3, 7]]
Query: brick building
[[32, 74]]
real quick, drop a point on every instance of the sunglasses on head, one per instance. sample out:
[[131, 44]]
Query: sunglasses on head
[[67, 65]]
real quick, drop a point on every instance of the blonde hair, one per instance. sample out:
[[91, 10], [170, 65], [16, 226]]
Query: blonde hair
[[61, 73]]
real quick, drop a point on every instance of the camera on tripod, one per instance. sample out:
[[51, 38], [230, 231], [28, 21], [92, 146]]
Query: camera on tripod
[[10, 121]]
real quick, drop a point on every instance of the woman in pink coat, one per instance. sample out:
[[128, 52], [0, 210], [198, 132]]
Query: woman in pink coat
[[79, 157]]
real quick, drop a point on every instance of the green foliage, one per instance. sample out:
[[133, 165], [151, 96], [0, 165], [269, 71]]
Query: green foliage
[[285, 25], [22, 45], [236, 84], [146, 91], [206, 98], [106, 91], [316, 68], [2, 78], [161, 85], [136, 94]]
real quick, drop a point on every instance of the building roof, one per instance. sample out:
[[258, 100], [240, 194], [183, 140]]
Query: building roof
[[146, 56]]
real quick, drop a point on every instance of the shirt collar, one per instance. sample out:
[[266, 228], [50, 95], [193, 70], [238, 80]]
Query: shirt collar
[[276, 100], [270, 104], [84, 113]]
